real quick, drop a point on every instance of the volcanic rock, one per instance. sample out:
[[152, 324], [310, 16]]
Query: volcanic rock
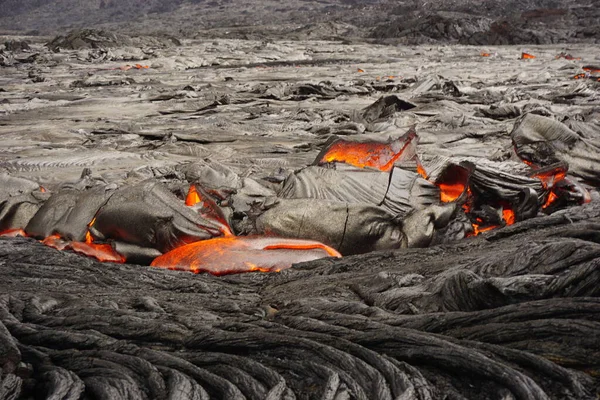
[[147, 214], [102, 39], [16, 45], [544, 141], [446, 26]]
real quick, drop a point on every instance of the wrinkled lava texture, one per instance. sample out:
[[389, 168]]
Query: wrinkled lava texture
[[503, 302]]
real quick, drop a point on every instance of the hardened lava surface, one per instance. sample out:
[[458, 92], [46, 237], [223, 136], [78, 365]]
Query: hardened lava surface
[[513, 313]]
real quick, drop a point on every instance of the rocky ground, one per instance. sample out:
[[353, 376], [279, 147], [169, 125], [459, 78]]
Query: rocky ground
[[510, 314], [477, 22]]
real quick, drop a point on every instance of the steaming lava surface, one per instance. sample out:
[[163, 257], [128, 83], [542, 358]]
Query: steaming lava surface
[[458, 183]]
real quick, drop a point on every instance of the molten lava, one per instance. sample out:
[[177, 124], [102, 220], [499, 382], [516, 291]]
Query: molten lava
[[102, 252], [207, 207], [591, 69], [550, 177], [369, 154], [453, 182], [13, 233], [227, 255], [450, 192], [485, 54], [420, 170], [56, 242], [136, 66], [508, 216], [551, 199], [527, 56]]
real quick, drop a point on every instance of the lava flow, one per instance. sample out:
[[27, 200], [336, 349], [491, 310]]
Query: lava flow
[[228, 255], [102, 252], [13, 233], [452, 184], [371, 154], [205, 205]]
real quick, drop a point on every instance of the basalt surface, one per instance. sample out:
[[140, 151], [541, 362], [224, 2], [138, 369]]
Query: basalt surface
[[510, 313]]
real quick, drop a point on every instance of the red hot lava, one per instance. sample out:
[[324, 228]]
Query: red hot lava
[[371, 154], [228, 255]]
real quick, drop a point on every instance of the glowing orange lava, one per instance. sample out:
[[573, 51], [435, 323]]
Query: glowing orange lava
[[592, 70], [102, 252], [193, 197], [13, 233], [477, 230], [451, 192], [551, 177], [56, 242], [368, 154], [484, 54], [453, 183], [229, 255], [527, 56], [508, 216], [207, 207], [551, 199], [420, 170]]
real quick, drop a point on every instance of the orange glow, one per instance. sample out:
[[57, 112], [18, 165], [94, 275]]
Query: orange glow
[[551, 199], [453, 183], [136, 66], [303, 245], [228, 255], [580, 76], [88, 235], [13, 233], [360, 70], [193, 197], [420, 170], [42, 189], [102, 252], [450, 192], [550, 178], [368, 154], [484, 54], [592, 70], [508, 216], [527, 56], [207, 208], [477, 230], [56, 242]]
